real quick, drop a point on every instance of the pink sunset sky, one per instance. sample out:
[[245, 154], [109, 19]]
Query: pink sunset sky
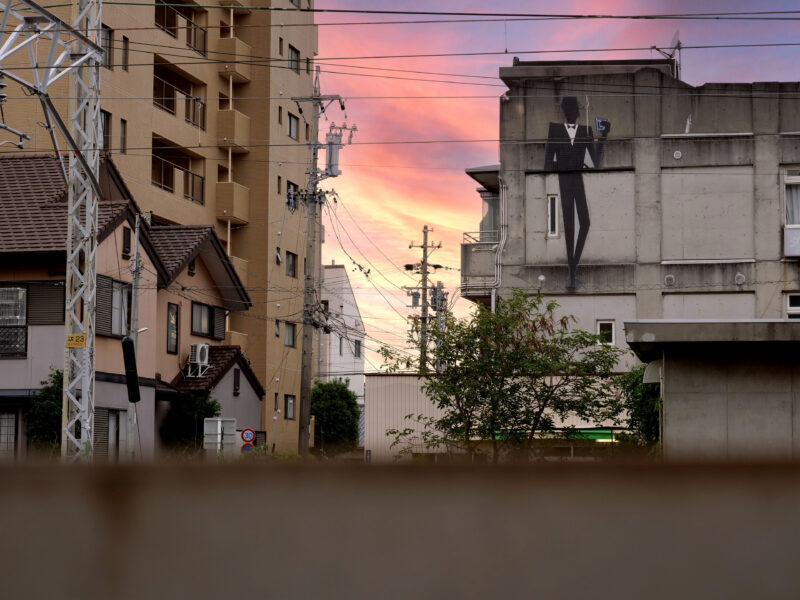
[[389, 191]]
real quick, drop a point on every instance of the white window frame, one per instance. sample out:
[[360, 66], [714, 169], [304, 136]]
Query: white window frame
[[13, 306], [787, 181], [600, 322], [792, 312], [288, 406], [120, 308], [552, 207]]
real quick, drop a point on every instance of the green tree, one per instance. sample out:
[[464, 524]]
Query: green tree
[[506, 377], [642, 404], [43, 415], [336, 414], [183, 424]]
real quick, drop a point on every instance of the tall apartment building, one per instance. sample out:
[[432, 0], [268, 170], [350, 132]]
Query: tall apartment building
[[625, 193], [198, 116]]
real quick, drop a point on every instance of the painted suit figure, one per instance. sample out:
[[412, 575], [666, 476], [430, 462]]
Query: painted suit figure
[[570, 149]]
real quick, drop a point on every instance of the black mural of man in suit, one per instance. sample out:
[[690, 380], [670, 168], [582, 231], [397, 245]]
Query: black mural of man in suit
[[570, 149]]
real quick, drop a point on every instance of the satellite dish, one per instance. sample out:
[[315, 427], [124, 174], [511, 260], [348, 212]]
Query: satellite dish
[[672, 51]]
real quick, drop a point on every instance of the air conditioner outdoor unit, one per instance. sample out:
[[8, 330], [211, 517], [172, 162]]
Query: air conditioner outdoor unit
[[198, 354]]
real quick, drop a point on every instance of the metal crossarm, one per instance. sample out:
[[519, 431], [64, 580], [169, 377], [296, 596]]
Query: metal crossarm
[[69, 49]]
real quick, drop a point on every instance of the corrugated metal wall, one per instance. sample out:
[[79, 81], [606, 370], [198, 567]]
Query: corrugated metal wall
[[388, 399]]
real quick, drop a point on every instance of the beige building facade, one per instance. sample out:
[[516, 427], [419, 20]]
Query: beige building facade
[[198, 117]]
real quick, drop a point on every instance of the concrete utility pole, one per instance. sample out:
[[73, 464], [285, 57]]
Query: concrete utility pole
[[53, 48], [423, 336], [312, 197]]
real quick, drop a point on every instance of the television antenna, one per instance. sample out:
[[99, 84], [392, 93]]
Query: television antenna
[[671, 51]]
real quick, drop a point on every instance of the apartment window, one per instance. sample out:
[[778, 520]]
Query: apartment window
[[280, 115], [107, 43], [290, 330], [120, 308], [552, 216], [357, 349], [291, 195], [237, 380], [172, 328], [288, 406], [126, 242], [341, 345], [294, 59], [275, 408], [277, 328], [279, 184], [125, 52], [291, 264], [278, 259], [792, 181], [105, 124], [280, 46], [123, 136], [605, 329], [308, 65], [294, 125], [793, 306], [13, 330]]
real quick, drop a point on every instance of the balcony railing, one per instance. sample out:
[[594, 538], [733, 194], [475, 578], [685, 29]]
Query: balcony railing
[[478, 237], [170, 20], [166, 97], [163, 176], [13, 341]]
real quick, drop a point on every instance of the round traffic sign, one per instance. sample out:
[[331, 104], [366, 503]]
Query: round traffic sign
[[247, 448], [248, 435]]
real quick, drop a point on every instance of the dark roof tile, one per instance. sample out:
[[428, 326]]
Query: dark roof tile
[[220, 361]]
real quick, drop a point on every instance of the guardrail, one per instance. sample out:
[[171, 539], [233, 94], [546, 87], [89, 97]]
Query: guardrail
[[481, 237], [171, 20], [166, 96], [163, 176]]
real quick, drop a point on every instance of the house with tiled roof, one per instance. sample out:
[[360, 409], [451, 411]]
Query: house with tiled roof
[[188, 288]]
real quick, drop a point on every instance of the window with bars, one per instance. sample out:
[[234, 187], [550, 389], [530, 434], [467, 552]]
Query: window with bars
[[13, 321], [8, 434]]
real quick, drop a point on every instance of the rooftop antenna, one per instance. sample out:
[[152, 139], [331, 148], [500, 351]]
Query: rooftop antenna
[[671, 51]]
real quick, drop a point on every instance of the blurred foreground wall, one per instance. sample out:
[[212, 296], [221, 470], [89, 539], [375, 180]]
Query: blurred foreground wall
[[403, 532]]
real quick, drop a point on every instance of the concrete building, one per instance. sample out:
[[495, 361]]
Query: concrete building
[[187, 287], [197, 113], [624, 193], [341, 353], [730, 389]]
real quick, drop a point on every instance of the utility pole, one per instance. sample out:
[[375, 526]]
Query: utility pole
[[312, 197], [423, 336], [136, 271], [54, 49]]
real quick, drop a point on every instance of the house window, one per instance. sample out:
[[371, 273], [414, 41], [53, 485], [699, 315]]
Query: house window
[[172, 328], [793, 306], [294, 124], [192, 267], [120, 308], [13, 330], [277, 328], [275, 408], [357, 349], [126, 243], [105, 124], [280, 115], [107, 43], [290, 329], [279, 184], [291, 264], [605, 329], [123, 136], [792, 181], [8, 433], [291, 194], [341, 345], [125, 52], [202, 319], [294, 59], [288, 406], [552, 216], [237, 381], [280, 46]]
